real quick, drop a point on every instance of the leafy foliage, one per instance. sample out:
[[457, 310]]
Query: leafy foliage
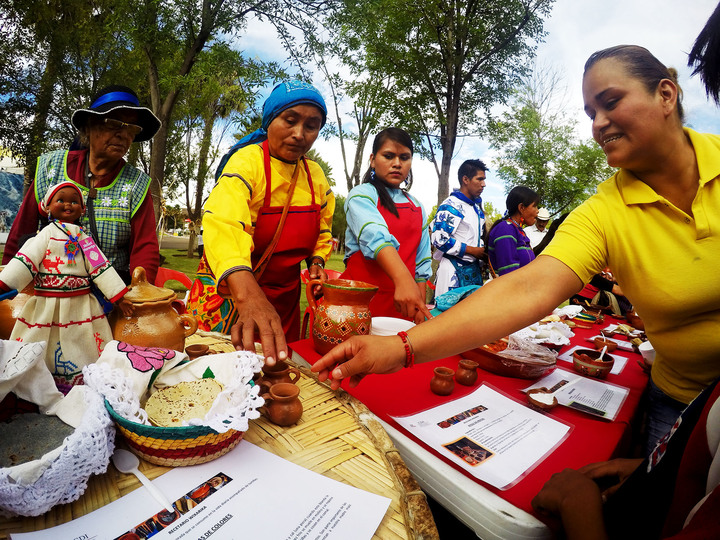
[[539, 148], [445, 62]]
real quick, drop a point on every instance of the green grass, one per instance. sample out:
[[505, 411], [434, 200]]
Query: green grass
[[176, 259]]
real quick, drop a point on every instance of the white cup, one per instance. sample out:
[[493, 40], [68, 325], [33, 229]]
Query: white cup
[[648, 352]]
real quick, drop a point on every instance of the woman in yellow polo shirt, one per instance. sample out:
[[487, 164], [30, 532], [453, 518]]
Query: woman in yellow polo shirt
[[653, 223]]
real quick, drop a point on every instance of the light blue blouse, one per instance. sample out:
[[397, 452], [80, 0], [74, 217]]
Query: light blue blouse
[[367, 231]]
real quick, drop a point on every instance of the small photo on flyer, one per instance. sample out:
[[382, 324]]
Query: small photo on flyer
[[469, 451]]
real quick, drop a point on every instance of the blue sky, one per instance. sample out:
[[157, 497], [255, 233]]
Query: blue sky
[[576, 28]]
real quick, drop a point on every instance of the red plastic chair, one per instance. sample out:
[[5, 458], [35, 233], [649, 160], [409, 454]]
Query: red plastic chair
[[308, 315], [168, 274]]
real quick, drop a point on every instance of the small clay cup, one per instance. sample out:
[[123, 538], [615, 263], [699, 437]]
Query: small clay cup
[[197, 350], [442, 383], [602, 342], [466, 373], [586, 361], [283, 406], [281, 372], [535, 399]]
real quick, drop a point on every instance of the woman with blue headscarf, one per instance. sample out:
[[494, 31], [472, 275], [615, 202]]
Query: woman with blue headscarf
[[271, 209]]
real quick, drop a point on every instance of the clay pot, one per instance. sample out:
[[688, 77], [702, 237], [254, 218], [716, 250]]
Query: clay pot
[[10, 309], [466, 373], [343, 312], [586, 361], [442, 383], [283, 406], [197, 350], [154, 322], [281, 372]]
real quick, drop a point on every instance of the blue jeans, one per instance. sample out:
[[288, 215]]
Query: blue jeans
[[661, 415]]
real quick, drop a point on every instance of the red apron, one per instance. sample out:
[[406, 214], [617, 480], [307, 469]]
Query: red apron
[[281, 279], [407, 230]]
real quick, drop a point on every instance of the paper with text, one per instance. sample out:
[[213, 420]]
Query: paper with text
[[493, 437], [586, 394], [248, 493]]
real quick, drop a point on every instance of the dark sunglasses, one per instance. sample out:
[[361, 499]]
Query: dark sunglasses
[[116, 125]]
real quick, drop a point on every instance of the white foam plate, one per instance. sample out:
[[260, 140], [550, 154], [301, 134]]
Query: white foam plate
[[389, 326]]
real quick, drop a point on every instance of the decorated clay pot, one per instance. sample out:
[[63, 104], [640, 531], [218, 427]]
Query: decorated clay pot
[[281, 372], [442, 382], [283, 405], [587, 362], [343, 312], [154, 322], [10, 310], [466, 373]]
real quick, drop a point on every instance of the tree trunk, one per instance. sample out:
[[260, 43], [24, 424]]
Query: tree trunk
[[42, 109], [157, 166]]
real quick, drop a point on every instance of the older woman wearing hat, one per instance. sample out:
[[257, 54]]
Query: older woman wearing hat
[[271, 209], [120, 214]]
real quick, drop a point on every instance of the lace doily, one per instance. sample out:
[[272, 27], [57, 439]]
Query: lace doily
[[86, 451], [233, 408]]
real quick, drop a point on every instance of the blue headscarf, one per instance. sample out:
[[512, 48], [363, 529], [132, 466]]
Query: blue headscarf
[[285, 95]]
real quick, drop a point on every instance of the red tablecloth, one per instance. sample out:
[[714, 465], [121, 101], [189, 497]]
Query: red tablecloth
[[591, 439]]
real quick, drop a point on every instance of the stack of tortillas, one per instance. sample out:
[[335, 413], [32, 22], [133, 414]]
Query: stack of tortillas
[[170, 406]]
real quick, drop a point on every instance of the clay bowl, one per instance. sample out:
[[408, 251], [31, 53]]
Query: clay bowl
[[586, 361], [600, 343], [536, 398], [487, 359]]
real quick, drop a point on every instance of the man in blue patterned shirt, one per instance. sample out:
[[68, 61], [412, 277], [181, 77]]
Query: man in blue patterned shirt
[[457, 231]]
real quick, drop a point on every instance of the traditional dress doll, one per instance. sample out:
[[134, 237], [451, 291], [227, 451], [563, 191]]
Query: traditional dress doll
[[63, 261]]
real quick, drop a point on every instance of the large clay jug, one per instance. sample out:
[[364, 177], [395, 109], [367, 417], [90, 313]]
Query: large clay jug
[[343, 312], [10, 309], [154, 322]]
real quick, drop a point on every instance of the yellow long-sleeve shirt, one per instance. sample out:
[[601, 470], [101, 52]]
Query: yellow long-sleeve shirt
[[231, 211]]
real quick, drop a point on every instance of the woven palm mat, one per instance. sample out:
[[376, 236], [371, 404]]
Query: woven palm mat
[[337, 436]]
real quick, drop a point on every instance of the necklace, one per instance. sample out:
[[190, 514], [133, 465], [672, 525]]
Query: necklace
[[72, 244]]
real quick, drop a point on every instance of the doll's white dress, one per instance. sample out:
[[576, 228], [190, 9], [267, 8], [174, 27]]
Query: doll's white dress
[[64, 313]]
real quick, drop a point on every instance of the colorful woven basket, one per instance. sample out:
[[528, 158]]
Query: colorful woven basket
[[175, 446]]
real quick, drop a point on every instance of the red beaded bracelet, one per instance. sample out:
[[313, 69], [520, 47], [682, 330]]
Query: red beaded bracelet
[[409, 351]]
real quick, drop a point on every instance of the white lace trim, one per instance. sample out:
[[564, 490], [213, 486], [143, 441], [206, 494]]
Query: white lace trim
[[64, 474], [232, 409]]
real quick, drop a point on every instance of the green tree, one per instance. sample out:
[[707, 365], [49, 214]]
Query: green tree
[[52, 55], [172, 34], [367, 93], [538, 146], [220, 96], [447, 59], [339, 224], [492, 214]]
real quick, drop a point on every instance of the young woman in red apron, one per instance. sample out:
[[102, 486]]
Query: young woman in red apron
[[393, 269]]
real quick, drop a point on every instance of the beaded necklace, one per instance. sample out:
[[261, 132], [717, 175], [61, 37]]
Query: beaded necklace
[[72, 244]]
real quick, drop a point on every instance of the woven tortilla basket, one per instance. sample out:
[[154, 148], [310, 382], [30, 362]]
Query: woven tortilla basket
[[175, 446]]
